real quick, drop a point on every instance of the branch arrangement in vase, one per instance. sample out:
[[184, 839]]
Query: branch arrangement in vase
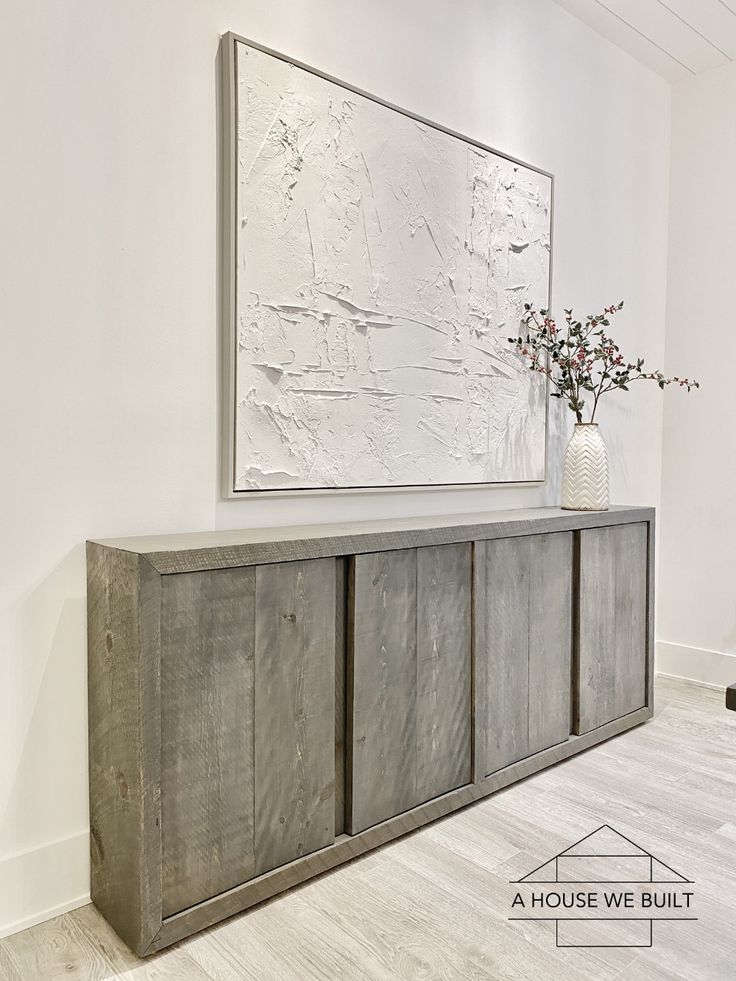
[[582, 358], [583, 363]]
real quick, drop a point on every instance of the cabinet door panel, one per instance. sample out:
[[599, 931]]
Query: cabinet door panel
[[207, 746], [409, 679], [611, 648], [248, 732], [523, 647]]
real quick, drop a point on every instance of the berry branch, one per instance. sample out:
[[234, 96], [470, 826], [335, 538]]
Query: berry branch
[[581, 359]]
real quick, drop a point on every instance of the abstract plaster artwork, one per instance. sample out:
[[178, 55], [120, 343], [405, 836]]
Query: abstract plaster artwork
[[380, 265]]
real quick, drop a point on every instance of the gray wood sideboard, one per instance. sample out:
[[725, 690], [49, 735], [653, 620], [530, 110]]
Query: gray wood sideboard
[[267, 704]]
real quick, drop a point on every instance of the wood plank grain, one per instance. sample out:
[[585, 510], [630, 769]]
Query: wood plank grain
[[611, 643], [631, 615], [452, 879], [350, 846], [480, 671], [383, 659], [341, 628], [81, 946], [145, 701], [208, 632], [123, 619], [550, 640], [149, 640], [443, 669], [199, 551], [297, 939], [294, 710], [506, 608], [595, 642], [522, 658]]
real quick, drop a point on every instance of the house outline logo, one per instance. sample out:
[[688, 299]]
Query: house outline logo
[[602, 873]]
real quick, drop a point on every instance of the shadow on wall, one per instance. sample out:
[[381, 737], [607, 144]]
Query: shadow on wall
[[619, 450], [558, 434], [47, 793]]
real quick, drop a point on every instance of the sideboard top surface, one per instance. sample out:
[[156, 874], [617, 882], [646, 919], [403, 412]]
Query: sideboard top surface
[[198, 551]]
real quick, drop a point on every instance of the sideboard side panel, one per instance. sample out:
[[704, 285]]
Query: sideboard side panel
[[207, 734], [123, 638], [294, 710]]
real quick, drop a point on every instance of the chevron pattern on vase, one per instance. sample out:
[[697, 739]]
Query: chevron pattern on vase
[[585, 473]]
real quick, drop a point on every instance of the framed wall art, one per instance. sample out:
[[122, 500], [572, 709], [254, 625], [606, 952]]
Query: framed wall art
[[374, 265]]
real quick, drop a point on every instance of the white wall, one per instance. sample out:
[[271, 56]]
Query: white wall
[[697, 583], [108, 294]]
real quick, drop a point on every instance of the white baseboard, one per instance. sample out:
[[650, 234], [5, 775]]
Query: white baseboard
[[44, 882], [714, 669]]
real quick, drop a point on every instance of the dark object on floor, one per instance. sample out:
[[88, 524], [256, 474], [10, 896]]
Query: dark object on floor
[[731, 697]]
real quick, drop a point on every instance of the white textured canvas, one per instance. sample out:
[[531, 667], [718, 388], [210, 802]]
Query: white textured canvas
[[381, 264]]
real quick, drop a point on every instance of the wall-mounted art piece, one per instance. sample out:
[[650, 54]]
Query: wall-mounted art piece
[[375, 265]]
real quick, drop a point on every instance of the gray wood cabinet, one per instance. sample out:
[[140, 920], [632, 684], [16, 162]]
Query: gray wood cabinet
[[266, 704]]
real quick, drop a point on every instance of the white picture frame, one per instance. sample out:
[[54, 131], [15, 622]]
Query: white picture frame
[[257, 432]]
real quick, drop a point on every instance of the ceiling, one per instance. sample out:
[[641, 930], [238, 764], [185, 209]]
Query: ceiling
[[676, 38]]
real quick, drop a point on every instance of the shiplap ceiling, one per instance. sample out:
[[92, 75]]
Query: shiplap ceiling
[[677, 38]]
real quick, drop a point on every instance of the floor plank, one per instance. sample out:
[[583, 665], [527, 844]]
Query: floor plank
[[435, 904], [81, 946]]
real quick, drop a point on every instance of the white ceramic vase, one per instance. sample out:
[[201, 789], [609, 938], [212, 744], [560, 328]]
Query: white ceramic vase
[[585, 472]]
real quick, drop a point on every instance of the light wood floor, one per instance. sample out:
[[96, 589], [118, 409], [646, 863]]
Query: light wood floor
[[434, 905]]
